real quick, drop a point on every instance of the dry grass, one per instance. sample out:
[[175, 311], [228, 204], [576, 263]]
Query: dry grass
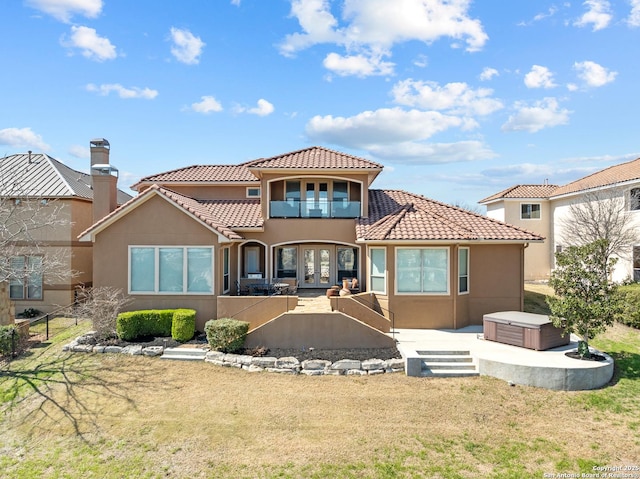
[[117, 416]]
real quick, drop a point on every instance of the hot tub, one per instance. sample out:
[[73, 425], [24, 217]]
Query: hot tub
[[527, 330]]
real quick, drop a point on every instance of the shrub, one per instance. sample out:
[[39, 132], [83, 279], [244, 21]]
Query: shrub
[[630, 299], [183, 326], [31, 313], [226, 334], [6, 343], [151, 322]]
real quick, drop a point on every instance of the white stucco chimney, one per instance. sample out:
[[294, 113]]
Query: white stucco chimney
[[104, 180]]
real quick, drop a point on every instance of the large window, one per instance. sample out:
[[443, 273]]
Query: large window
[[347, 263], [170, 270], [634, 199], [378, 270], [463, 270], [530, 211], [422, 270], [287, 262], [26, 277]]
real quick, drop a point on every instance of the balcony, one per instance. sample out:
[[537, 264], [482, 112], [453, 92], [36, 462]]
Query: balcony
[[314, 209]]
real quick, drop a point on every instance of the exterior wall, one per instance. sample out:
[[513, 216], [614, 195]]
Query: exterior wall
[[209, 192], [538, 257], [156, 222], [561, 212], [495, 284], [496, 211]]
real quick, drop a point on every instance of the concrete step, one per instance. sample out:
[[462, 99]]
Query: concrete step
[[447, 363], [449, 359], [449, 373], [184, 354], [460, 366]]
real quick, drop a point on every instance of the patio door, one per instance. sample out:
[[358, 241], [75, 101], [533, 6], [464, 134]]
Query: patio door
[[316, 267]]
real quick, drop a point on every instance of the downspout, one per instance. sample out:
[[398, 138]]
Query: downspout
[[526, 245]]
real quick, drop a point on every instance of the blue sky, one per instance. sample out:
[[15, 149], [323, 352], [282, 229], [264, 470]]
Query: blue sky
[[458, 99]]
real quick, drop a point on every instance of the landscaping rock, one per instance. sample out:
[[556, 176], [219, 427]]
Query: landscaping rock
[[315, 364], [152, 351], [113, 349], [133, 350], [287, 363], [346, 364], [370, 364], [264, 362]]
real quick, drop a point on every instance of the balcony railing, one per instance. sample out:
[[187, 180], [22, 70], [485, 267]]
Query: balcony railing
[[314, 209]]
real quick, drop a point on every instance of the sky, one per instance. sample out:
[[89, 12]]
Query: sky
[[458, 99]]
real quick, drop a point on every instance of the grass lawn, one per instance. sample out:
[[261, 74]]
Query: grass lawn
[[94, 416]]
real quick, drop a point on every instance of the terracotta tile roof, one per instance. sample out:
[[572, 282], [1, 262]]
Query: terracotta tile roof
[[41, 176], [315, 157], [220, 215], [399, 215], [522, 191], [202, 174], [611, 176]]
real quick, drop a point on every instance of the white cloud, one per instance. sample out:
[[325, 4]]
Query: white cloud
[[594, 75], [572, 87], [263, 108], [23, 138], [384, 126], [126, 93], [543, 114], [634, 15], [370, 28], [186, 48], [358, 65], [235, 2], [488, 73], [598, 14], [539, 77], [206, 105], [64, 10], [80, 151], [456, 98], [434, 153], [92, 45]]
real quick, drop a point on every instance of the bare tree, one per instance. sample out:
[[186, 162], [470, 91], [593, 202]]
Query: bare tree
[[27, 223], [602, 215], [101, 305]]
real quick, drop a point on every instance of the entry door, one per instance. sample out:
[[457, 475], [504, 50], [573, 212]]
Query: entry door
[[316, 264]]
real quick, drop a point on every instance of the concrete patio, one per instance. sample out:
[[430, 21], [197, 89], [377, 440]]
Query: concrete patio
[[465, 352]]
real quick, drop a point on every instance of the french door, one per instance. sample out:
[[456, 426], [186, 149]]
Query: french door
[[316, 267]]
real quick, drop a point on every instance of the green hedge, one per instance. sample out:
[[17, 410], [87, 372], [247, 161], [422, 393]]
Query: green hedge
[[6, 332], [183, 326], [630, 314], [226, 334], [154, 322]]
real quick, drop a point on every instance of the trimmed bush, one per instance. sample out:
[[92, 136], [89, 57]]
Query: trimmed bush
[[226, 335], [630, 299], [151, 322], [183, 326]]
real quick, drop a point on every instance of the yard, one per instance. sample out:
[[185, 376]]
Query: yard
[[77, 415]]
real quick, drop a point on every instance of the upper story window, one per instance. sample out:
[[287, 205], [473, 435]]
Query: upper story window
[[26, 277], [253, 192], [530, 211], [634, 199], [315, 198]]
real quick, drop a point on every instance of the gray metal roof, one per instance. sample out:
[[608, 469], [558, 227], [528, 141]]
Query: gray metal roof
[[40, 176]]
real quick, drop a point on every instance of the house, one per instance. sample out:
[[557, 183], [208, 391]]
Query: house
[[56, 203], [310, 217], [546, 208]]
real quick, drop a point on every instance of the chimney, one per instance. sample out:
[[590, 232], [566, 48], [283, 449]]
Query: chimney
[[104, 180]]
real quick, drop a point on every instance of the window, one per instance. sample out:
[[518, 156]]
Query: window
[[463, 270], [636, 263], [422, 270], [253, 192], [287, 262], [634, 199], [378, 270], [26, 277], [170, 270], [530, 211], [347, 263], [226, 283]]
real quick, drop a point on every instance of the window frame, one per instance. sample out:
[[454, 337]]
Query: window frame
[[185, 270], [634, 199], [468, 266], [635, 263], [446, 292], [539, 205], [226, 270], [382, 276], [26, 280], [255, 188]]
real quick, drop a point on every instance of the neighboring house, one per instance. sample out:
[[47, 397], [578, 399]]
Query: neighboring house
[[193, 234], [36, 178], [545, 208]]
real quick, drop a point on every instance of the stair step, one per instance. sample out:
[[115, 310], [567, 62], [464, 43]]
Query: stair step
[[460, 366], [448, 359], [442, 352], [449, 373], [185, 354]]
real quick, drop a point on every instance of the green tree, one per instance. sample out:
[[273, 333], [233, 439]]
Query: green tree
[[585, 301]]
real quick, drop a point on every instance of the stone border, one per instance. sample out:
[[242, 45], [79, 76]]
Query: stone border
[[308, 367], [286, 365]]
